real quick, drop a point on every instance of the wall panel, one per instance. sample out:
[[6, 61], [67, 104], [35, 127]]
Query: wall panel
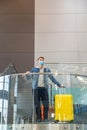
[[16, 42], [55, 23], [59, 56], [22, 61], [57, 41], [55, 6], [17, 34], [60, 30], [16, 23], [17, 7]]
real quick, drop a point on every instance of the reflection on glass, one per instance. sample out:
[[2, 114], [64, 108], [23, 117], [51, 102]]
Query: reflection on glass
[[4, 90], [16, 98]]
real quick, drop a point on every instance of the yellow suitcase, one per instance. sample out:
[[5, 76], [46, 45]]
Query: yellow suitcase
[[64, 107]]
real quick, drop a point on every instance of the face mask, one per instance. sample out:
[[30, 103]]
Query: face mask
[[41, 62]]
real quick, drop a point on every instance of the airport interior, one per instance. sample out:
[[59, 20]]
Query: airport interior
[[56, 30], [17, 109]]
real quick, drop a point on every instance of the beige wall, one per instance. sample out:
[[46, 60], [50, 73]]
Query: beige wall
[[17, 34], [61, 30]]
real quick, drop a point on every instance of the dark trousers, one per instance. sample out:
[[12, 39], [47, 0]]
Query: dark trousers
[[41, 96]]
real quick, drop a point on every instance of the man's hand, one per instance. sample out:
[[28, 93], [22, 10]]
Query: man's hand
[[27, 72], [62, 86]]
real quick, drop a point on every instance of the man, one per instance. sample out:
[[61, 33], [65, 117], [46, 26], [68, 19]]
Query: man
[[40, 75]]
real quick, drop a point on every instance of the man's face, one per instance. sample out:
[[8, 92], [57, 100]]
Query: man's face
[[41, 61]]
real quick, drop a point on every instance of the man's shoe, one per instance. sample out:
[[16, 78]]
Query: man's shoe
[[46, 120], [39, 120]]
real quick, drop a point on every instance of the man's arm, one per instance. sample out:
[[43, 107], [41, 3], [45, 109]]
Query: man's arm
[[27, 75], [54, 80]]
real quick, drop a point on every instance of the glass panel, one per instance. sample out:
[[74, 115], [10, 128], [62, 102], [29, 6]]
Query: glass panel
[[74, 78], [17, 104]]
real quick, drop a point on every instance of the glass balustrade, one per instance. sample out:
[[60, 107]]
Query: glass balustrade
[[17, 98]]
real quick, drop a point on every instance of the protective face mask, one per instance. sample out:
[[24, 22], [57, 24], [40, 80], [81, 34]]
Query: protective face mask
[[41, 62]]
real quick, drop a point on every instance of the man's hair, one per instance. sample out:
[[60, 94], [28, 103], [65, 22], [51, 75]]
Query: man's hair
[[41, 57]]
